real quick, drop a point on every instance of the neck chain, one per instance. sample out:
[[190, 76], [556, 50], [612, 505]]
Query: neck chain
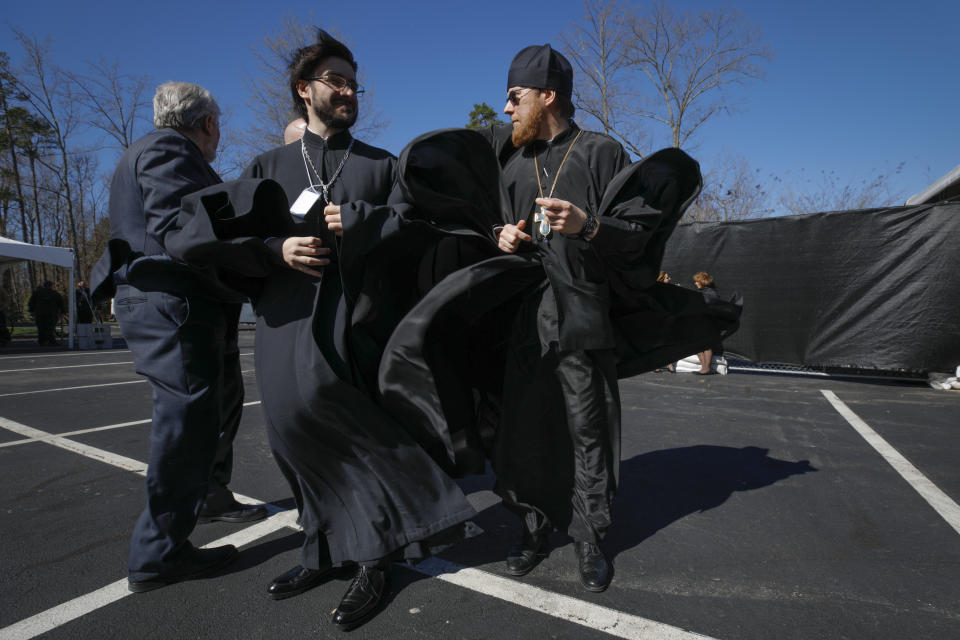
[[325, 187], [542, 224]]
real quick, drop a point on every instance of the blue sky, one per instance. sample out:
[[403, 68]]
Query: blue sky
[[855, 88]]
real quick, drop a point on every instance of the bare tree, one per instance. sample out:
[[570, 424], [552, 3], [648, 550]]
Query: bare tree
[[11, 133], [597, 47], [47, 90], [270, 98], [112, 100], [234, 152], [84, 171], [51, 188], [660, 67], [689, 59], [732, 190], [6, 198], [36, 144], [827, 192]]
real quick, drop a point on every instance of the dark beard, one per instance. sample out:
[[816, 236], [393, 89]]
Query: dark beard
[[526, 131], [331, 120]]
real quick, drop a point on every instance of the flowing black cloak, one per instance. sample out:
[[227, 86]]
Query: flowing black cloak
[[442, 373], [434, 300]]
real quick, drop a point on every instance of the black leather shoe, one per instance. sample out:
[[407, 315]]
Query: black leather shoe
[[360, 601], [195, 564], [595, 572], [297, 580], [236, 512], [527, 553]]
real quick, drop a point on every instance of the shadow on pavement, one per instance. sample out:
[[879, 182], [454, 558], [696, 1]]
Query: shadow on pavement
[[661, 487]]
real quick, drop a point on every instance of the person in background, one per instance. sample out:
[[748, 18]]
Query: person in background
[[5, 336], [664, 277], [84, 303], [704, 282], [47, 306], [294, 130]]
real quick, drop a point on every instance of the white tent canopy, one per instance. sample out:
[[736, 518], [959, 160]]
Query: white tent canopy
[[13, 251], [16, 251]]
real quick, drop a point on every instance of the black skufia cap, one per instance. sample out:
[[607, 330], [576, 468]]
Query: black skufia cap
[[540, 67]]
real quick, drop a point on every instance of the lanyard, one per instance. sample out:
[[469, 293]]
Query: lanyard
[[325, 187], [540, 217]]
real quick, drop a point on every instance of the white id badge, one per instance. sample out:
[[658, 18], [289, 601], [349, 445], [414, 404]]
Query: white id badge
[[305, 201]]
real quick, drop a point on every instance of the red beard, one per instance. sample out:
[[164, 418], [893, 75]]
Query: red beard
[[526, 129]]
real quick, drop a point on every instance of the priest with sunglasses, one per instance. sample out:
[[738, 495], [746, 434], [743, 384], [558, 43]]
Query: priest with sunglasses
[[561, 404]]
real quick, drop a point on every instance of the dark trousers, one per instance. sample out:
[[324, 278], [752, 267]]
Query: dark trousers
[[557, 452], [46, 329], [589, 384], [219, 497], [186, 348]]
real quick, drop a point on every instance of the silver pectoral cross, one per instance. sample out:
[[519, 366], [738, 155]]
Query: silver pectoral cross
[[542, 223]]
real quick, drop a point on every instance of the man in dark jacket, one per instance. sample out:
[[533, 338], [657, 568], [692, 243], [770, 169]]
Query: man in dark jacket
[[181, 325], [47, 306]]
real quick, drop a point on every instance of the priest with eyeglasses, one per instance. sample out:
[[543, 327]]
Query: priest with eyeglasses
[[366, 493]]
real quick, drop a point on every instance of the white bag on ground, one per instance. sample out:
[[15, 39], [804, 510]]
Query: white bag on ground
[[691, 363]]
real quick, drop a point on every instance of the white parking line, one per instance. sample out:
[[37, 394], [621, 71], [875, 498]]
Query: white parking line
[[71, 610], [79, 366], [91, 452], [68, 366], [58, 354], [587, 614], [62, 614], [91, 352], [70, 433], [940, 501], [86, 386], [80, 432]]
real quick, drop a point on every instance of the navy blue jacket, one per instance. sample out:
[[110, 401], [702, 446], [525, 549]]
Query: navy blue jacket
[[150, 180]]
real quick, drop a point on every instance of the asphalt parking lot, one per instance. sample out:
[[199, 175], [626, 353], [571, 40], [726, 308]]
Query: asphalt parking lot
[[750, 507]]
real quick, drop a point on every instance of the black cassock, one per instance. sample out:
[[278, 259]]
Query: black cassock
[[364, 489], [561, 400]]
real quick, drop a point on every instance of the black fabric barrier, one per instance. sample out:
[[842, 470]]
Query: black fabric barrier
[[874, 289]]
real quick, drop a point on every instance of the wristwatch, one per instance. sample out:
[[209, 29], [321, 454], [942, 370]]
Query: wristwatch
[[589, 226]]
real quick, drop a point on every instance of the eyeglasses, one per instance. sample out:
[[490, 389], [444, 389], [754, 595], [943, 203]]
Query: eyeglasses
[[515, 96], [338, 83]]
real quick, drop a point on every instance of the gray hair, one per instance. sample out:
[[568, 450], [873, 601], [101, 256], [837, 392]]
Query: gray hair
[[182, 105]]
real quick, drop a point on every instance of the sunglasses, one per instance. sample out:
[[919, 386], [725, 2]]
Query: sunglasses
[[515, 96], [338, 83]]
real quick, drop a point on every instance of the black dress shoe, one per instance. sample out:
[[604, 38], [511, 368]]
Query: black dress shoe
[[235, 512], [195, 563], [297, 580], [595, 572], [360, 601], [527, 553]]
